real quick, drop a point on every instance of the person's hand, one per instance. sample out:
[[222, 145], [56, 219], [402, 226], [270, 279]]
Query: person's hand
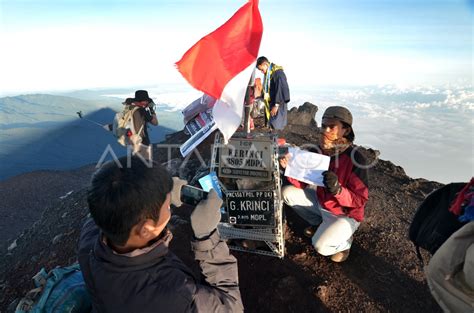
[[331, 182], [284, 160], [274, 111], [176, 191], [206, 215]]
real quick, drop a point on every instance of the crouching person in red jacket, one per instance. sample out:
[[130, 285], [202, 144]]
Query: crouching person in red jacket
[[335, 210], [123, 249]]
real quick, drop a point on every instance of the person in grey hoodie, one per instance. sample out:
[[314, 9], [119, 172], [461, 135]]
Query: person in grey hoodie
[[123, 249]]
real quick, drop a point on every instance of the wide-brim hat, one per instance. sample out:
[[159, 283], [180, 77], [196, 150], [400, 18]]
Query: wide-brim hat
[[339, 113], [142, 95]]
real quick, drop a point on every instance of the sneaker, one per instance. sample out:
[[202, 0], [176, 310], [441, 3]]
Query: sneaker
[[310, 230], [340, 256]]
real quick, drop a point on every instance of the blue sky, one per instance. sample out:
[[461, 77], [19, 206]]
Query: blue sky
[[403, 67], [68, 44]]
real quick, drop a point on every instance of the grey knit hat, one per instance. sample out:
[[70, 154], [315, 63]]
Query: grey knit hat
[[341, 114]]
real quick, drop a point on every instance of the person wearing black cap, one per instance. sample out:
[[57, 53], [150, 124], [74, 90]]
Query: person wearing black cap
[[145, 114], [335, 210]]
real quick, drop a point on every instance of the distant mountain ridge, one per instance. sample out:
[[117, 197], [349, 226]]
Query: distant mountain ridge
[[36, 108], [41, 131]]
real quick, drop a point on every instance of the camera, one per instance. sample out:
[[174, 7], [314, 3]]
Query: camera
[[192, 195]]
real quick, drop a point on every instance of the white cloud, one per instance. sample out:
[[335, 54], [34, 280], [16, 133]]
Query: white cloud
[[176, 98], [430, 138]]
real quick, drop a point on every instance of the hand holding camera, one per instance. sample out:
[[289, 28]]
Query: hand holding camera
[[176, 191], [206, 215], [152, 107]]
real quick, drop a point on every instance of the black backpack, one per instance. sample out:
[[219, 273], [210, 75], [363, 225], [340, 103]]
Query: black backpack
[[433, 223]]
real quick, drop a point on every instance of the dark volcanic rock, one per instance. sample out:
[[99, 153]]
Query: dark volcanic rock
[[382, 273], [303, 115]]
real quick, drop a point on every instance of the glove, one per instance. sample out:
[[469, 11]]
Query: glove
[[176, 191], [331, 182], [206, 215]]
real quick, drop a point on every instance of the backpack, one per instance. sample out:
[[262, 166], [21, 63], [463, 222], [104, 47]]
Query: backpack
[[258, 108], [123, 127], [433, 223], [61, 290]]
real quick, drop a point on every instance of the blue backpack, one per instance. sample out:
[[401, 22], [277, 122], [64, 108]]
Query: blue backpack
[[61, 290]]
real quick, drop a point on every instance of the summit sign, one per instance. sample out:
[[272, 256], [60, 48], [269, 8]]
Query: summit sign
[[251, 207], [246, 158]]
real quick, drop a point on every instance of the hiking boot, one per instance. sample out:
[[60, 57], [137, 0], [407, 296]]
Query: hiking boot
[[310, 230], [340, 256]]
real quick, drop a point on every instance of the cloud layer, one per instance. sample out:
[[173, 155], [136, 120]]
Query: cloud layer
[[427, 130]]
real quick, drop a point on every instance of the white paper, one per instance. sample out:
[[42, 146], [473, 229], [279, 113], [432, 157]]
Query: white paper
[[197, 138], [307, 166]]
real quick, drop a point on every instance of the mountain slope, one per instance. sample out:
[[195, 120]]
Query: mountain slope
[[381, 275], [44, 132]]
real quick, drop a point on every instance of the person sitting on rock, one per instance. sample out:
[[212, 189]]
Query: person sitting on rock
[[123, 249], [335, 210]]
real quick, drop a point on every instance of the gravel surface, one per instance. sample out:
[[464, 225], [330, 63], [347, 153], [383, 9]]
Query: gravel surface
[[382, 273]]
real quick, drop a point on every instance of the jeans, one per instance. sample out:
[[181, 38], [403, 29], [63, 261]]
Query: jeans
[[334, 233]]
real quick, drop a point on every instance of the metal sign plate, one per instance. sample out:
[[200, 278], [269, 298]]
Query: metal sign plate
[[246, 158], [251, 207]]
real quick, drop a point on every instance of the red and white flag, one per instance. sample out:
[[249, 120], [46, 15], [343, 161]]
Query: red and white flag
[[221, 64]]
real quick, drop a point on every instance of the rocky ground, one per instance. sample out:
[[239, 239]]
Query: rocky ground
[[382, 273]]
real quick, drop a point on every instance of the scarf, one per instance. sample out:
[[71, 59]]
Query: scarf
[[272, 68], [333, 147]]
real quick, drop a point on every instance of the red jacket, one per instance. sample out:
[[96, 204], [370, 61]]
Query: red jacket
[[353, 180]]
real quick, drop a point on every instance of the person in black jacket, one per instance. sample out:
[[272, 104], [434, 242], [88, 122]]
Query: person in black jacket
[[123, 248], [276, 93]]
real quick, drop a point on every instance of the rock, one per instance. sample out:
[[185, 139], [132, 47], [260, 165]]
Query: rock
[[189, 169], [173, 166], [288, 288], [303, 115], [66, 195], [323, 293], [301, 256], [12, 246], [12, 306], [57, 238]]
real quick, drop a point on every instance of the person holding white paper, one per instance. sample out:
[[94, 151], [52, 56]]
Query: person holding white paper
[[336, 210]]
